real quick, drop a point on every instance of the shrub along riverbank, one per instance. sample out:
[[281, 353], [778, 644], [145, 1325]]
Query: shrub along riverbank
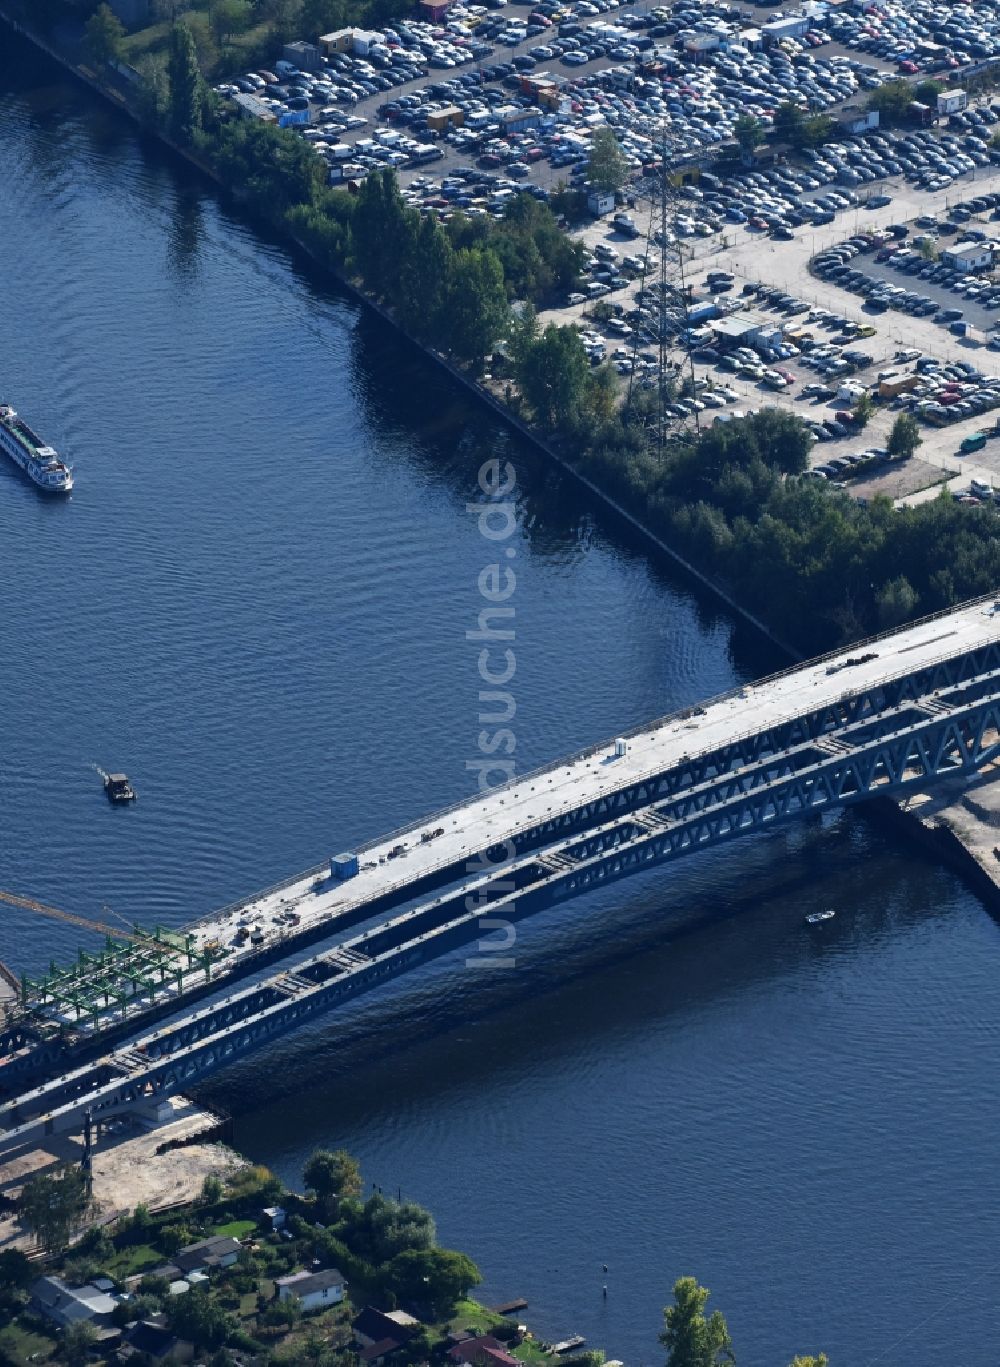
[[813, 564]]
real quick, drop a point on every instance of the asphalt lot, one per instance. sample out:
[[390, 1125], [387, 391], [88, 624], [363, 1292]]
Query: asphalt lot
[[752, 257]]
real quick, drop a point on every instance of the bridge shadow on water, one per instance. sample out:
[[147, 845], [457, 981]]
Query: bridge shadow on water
[[642, 957]]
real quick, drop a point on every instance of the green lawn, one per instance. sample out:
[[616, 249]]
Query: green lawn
[[135, 1258], [236, 1229], [18, 1344], [529, 1351], [471, 1315]]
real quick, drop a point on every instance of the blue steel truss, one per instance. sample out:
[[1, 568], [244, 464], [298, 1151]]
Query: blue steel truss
[[874, 744]]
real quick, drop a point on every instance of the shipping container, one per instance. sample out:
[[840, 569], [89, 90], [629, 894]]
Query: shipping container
[[343, 865]]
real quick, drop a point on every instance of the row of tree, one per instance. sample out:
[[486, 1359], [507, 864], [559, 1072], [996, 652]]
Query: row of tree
[[817, 565]]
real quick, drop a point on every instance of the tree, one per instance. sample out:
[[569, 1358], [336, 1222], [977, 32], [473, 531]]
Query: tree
[[381, 1228], [607, 168], [690, 1339], [817, 129], [211, 1189], [174, 1237], [820, 1360], [927, 92], [864, 409], [229, 17], [205, 45], [53, 1206], [896, 602], [553, 375], [77, 1341], [154, 91], [434, 1277], [892, 100], [905, 436], [523, 337], [197, 1317], [322, 16], [748, 132], [141, 1222], [104, 36], [16, 1272], [171, 10], [477, 305], [187, 89], [333, 1177], [789, 121], [284, 17], [424, 281]]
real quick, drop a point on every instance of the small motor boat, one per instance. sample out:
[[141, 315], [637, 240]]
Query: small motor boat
[[814, 917]]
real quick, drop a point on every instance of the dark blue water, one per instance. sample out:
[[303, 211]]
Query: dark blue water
[[256, 603]]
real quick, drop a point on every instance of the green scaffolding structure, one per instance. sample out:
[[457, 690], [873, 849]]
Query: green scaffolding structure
[[103, 985]]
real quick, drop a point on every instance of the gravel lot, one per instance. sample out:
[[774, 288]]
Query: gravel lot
[[127, 1169]]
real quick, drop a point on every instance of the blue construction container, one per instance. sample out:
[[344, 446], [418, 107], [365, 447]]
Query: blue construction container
[[343, 865]]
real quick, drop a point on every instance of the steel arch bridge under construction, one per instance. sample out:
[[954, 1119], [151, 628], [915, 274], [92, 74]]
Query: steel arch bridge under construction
[[889, 716]]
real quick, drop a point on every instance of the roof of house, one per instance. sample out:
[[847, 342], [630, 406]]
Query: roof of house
[[485, 1349], [207, 1252], [381, 1348], [70, 1303], [147, 1337], [376, 1324], [305, 1283], [168, 1271]]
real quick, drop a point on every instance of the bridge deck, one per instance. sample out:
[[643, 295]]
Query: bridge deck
[[323, 905], [504, 812]]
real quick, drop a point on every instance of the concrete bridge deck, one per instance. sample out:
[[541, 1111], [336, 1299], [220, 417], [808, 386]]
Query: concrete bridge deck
[[551, 794]]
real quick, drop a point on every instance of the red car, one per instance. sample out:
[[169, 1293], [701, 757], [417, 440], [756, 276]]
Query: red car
[[909, 67]]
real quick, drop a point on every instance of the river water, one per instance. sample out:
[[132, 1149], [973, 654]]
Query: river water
[[256, 603]]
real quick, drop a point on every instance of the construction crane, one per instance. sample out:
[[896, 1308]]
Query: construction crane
[[98, 927]]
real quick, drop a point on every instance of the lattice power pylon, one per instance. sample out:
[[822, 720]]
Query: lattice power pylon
[[664, 273]]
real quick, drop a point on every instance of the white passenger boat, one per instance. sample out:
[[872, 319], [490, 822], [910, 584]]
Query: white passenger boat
[[39, 462]]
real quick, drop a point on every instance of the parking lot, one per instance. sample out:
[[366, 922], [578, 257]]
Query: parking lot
[[837, 326], [502, 98], [625, 65]]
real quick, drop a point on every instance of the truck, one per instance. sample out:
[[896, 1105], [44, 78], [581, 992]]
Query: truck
[[626, 224], [700, 313], [975, 442]]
